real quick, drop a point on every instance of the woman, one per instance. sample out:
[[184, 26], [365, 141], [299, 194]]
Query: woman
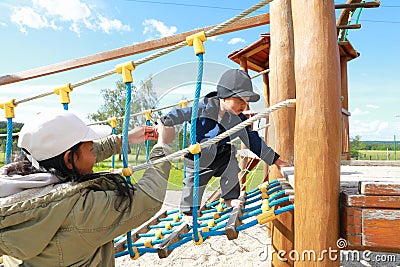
[[54, 211]]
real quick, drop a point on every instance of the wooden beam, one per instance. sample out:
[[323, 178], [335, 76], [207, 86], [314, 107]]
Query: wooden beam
[[350, 27], [357, 5], [242, 24]]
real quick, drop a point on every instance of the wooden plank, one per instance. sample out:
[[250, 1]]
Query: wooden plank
[[348, 50], [356, 200], [151, 45], [233, 221], [380, 188], [380, 228], [162, 249], [350, 221]]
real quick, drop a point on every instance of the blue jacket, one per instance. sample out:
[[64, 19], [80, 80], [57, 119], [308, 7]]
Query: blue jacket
[[208, 127]]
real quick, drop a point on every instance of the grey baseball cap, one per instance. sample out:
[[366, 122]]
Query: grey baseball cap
[[236, 83]]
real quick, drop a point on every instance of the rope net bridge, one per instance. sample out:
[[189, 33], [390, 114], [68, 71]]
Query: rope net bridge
[[167, 231]]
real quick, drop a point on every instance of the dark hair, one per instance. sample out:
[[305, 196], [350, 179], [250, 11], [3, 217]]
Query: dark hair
[[56, 165]]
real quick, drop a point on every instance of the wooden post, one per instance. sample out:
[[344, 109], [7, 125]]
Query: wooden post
[[282, 82], [267, 104], [317, 132], [345, 105], [243, 162]]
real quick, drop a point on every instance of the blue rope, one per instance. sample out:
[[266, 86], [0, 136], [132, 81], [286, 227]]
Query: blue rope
[[284, 209], [278, 201], [65, 106], [114, 131], [193, 141], [125, 145], [147, 144], [184, 141], [9, 140]]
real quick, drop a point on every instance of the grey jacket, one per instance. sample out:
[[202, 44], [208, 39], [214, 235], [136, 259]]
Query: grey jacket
[[74, 224]]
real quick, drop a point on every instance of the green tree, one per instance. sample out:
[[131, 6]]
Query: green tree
[[142, 98], [355, 145]]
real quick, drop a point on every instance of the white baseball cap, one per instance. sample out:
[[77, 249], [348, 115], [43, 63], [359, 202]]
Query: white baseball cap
[[50, 134]]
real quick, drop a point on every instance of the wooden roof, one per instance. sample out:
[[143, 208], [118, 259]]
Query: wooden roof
[[257, 53]]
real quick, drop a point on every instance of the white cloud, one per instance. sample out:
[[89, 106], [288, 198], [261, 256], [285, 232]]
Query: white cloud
[[26, 17], [71, 10], [373, 130], [214, 39], [3, 24], [373, 106], [108, 25], [152, 25], [76, 14], [236, 40], [359, 112]]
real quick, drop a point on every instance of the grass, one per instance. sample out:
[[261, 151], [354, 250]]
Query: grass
[[378, 155]]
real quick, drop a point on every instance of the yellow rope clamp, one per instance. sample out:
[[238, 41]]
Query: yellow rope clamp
[[147, 114], [220, 208], [264, 195], [200, 239], [196, 40], [137, 254], [148, 244], [211, 223], [183, 103], [265, 205], [125, 69], [169, 226], [113, 122], [63, 92], [206, 230], [176, 218], [195, 148], [216, 216], [263, 189], [159, 234], [126, 172], [263, 218], [8, 108]]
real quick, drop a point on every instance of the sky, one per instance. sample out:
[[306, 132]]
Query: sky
[[36, 33]]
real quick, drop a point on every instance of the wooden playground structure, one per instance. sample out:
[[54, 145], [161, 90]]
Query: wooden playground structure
[[314, 136]]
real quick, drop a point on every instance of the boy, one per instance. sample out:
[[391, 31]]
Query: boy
[[218, 112]]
